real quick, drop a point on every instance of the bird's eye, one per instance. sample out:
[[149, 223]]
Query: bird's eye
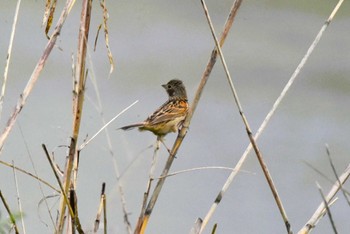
[[169, 86]]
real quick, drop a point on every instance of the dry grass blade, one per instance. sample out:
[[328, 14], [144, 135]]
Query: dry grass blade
[[18, 198], [48, 16], [100, 208], [29, 174], [63, 192], [319, 211], [248, 129], [142, 223], [35, 75], [57, 178], [105, 27], [12, 218], [46, 12], [198, 169], [96, 37], [323, 175], [270, 114], [327, 208], [336, 174], [8, 58]]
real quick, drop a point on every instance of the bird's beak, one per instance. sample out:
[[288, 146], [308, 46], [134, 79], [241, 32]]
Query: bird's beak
[[164, 86]]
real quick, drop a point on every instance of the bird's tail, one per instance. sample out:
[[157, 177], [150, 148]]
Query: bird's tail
[[131, 126]]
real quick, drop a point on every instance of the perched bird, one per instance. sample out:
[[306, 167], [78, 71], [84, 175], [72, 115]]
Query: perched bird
[[168, 117]]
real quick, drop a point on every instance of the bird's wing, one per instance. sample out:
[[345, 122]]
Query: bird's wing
[[168, 111]]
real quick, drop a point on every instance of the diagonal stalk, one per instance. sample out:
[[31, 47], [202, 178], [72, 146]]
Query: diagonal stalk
[[143, 221], [248, 129]]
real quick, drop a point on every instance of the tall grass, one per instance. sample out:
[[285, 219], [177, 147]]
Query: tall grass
[[67, 219]]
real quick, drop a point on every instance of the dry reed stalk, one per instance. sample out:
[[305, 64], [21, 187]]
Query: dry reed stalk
[[8, 58], [327, 208], [35, 75], [12, 218], [78, 100], [248, 129], [142, 222], [269, 115]]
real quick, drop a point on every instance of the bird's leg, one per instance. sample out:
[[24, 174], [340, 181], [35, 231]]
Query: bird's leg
[[154, 160], [161, 139]]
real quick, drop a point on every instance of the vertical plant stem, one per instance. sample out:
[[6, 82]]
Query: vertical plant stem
[[104, 200], [78, 100], [18, 198]]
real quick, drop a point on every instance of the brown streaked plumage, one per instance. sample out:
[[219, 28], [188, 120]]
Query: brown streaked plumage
[[168, 117]]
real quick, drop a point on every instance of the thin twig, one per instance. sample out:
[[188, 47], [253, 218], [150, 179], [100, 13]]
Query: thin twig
[[35, 75], [12, 218], [8, 58], [36, 173], [323, 175], [63, 192], [327, 208], [30, 174], [57, 177], [336, 174], [248, 129], [142, 223], [106, 125], [201, 168], [271, 112]]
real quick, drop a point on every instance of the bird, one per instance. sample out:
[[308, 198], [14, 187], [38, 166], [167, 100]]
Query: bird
[[169, 116]]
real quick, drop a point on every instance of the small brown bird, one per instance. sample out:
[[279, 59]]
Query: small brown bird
[[168, 117]]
